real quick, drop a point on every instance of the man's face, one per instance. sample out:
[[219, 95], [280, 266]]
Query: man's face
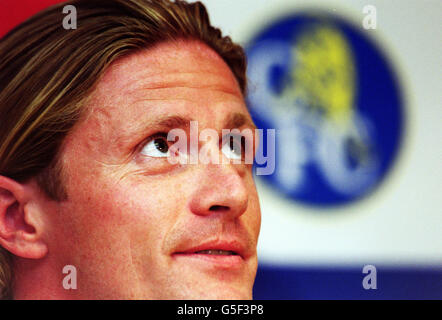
[[137, 226]]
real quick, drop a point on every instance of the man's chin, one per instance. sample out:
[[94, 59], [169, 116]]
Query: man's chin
[[216, 284], [221, 293], [207, 289]]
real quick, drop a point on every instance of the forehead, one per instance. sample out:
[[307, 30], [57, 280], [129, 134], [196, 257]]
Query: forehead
[[181, 78], [179, 64]]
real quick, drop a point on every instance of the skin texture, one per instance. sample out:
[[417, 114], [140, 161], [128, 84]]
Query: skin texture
[[129, 214]]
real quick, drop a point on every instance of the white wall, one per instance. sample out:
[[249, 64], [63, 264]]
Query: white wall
[[401, 223]]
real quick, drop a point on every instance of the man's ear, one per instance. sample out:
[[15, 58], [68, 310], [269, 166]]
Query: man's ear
[[21, 222]]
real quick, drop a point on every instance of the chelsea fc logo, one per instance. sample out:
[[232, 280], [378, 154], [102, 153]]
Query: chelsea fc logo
[[335, 104]]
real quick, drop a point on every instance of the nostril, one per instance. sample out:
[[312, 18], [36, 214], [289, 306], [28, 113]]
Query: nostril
[[218, 208]]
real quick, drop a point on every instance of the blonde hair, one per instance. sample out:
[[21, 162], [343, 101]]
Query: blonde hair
[[46, 72]]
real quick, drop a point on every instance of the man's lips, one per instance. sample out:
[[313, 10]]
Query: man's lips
[[226, 254], [223, 248]]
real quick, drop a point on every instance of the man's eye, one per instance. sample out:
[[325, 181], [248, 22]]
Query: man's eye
[[233, 147], [157, 147]]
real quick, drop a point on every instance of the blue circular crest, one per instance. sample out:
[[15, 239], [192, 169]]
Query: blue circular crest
[[334, 102]]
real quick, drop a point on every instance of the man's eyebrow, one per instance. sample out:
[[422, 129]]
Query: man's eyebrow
[[237, 120], [171, 122]]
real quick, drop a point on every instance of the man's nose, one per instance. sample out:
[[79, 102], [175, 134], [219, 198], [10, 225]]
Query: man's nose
[[221, 191]]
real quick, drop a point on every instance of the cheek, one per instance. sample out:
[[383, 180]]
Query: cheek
[[129, 215], [149, 210], [254, 213], [115, 232]]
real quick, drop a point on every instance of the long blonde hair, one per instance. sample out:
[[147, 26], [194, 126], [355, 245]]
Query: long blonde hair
[[46, 72]]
